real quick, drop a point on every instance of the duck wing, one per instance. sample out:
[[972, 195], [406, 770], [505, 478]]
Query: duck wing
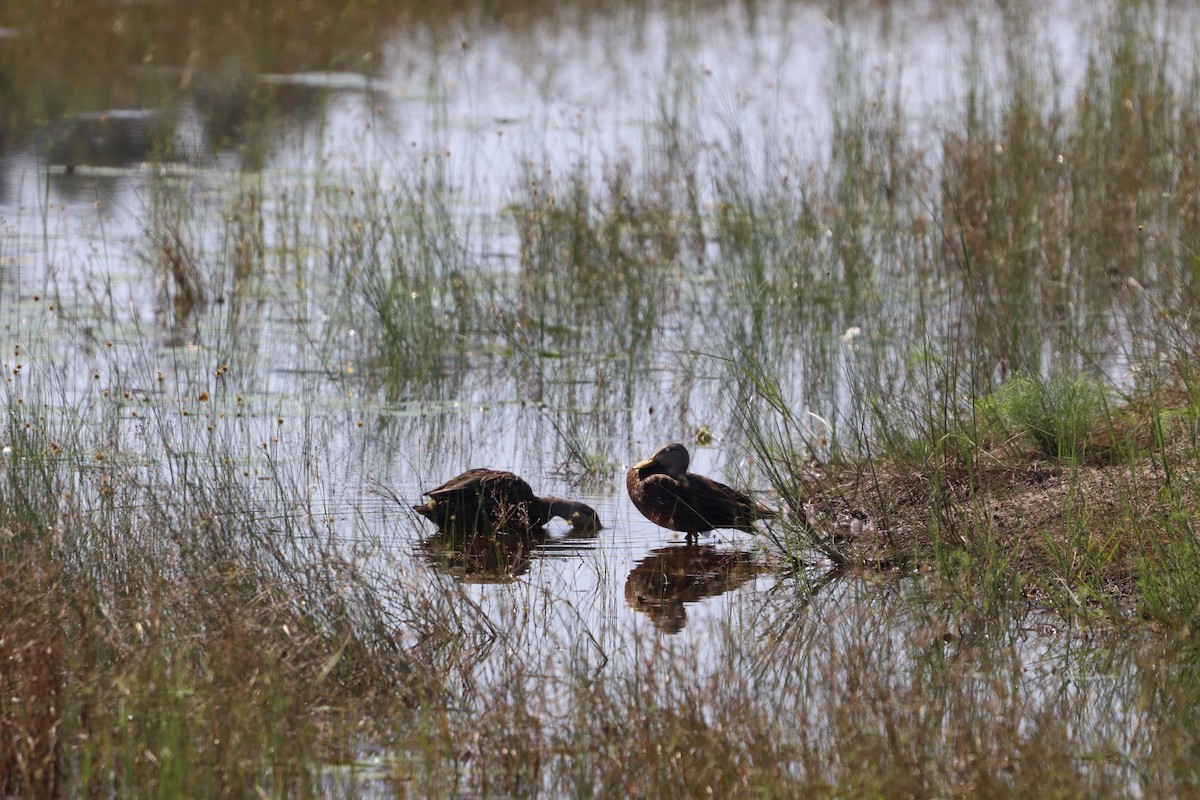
[[670, 502], [486, 497], [720, 506], [470, 481], [662, 491]]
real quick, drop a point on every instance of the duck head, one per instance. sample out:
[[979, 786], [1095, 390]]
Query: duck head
[[671, 459], [580, 516]]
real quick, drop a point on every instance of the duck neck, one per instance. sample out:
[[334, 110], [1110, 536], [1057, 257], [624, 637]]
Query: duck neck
[[570, 510]]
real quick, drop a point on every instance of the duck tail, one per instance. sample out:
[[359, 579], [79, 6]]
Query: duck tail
[[765, 512]]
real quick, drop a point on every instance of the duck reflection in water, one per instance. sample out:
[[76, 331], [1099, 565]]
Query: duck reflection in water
[[478, 556], [490, 523], [668, 578]]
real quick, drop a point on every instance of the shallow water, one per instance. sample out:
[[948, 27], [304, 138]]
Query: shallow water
[[484, 110]]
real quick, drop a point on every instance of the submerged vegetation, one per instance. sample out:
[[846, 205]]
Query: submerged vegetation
[[955, 344]]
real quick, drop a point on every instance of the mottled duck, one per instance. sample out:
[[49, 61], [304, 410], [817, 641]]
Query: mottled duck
[[670, 496], [489, 499]]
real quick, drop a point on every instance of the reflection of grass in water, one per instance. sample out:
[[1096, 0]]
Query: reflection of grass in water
[[821, 694], [210, 55]]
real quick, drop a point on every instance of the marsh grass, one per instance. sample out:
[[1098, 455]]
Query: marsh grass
[[179, 616], [936, 457], [594, 289], [594, 264], [175, 662], [820, 700], [406, 282]]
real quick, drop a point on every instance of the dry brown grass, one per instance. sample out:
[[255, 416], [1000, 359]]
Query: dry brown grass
[[35, 620], [173, 653], [1095, 521]]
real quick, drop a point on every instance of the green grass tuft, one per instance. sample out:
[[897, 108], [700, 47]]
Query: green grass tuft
[[1059, 413]]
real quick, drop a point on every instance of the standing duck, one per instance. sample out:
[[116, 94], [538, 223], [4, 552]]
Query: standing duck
[[500, 502], [670, 496]]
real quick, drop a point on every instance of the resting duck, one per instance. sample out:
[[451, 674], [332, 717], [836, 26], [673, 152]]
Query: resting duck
[[670, 496], [502, 502]]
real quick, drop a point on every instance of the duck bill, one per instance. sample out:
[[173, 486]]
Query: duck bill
[[642, 466]]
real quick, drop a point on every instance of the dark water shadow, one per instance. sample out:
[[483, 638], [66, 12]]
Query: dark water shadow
[[477, 554], [666, 580], [112, 138]]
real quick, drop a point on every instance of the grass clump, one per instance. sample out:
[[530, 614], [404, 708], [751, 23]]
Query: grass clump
[[1169, 578], [594, 264], [407, 285], [1059, 413], [211, 681], [162, 635]]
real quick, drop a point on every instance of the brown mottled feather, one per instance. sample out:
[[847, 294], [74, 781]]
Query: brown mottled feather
[[662, 489], [501, 501]]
